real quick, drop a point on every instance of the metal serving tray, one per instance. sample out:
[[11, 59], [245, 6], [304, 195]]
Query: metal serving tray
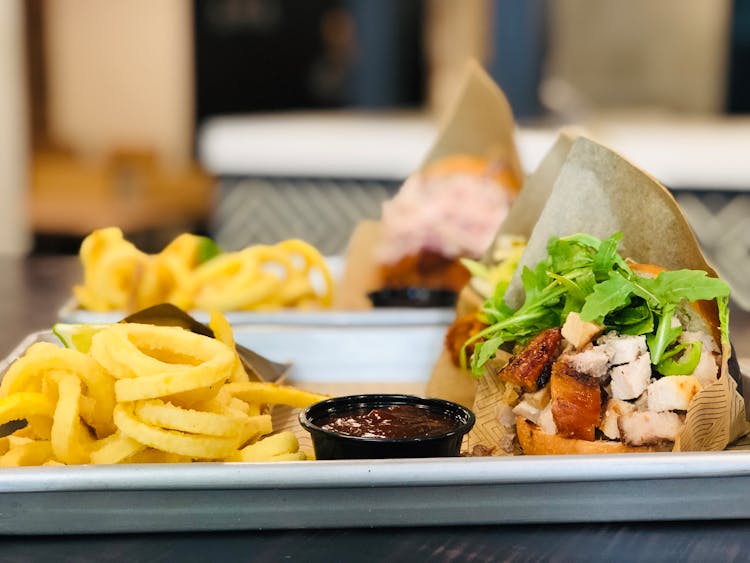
[[234, 496]]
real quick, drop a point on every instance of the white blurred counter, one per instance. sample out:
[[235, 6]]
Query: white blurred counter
[[683, 153]]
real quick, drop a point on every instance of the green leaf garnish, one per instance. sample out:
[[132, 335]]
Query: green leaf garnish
[[665, 334], [607, 296], [207, 249]]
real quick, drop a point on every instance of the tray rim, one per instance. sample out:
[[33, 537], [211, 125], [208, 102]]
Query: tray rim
[[427, 472]]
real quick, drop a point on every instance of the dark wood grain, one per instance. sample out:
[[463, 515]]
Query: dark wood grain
[[666, 541], [33, 289]]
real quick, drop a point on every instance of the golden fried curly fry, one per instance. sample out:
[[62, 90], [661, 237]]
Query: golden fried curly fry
[[167, 415], [223, 333], [269, 448], [188, 273], [152, 361], [115, 449], [70, 439], [112, 267], [168, 395], [271, 393], [31, 453], [27, 374], [190, 445]]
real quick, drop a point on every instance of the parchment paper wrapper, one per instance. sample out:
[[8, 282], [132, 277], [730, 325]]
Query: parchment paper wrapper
[[448, 381], [600, 193], [478, 122]]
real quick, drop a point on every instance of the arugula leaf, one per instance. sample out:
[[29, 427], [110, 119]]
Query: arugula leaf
[[485, 351], [664, 336], [690, 285], [634, 319], [607, 296], [574, 290], [606, 257], [566, 255]]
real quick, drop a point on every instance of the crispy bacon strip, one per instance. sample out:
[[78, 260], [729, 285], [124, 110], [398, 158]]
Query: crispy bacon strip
[[529, 369], [576, 401]]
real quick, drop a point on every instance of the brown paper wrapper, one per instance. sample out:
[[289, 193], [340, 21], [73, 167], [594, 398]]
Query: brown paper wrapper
[[537, 187], [599, 192], [361, 274], [452, 383], [478, 122]]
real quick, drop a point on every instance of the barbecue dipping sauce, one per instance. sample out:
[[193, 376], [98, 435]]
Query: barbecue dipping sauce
[[394, 421]]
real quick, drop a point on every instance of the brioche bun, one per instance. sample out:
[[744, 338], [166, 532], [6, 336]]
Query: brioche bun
[[534, 441], [471, 164]]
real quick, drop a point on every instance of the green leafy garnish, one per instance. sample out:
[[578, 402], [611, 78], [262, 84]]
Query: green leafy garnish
[[584, 274], [207, 249], [665, 334]]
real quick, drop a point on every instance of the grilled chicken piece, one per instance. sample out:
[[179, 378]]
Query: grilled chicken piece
[[532, 404], [672, 393], [579, 332], [592, 361], [614, 410], [647, 428], [576, 401], [529, 369], [623, 349], [630, 380], [707, 370]]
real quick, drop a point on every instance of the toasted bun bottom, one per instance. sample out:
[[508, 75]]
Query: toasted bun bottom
[[535, 442]]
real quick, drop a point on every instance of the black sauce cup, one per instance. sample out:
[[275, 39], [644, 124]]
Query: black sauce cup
[[416, 297], [330, 444]]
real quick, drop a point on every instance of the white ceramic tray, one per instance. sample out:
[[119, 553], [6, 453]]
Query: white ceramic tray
[[234, 496]]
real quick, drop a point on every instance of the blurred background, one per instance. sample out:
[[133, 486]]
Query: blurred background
[[256, 120]]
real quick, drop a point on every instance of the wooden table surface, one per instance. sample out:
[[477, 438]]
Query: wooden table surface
[[33, 290]]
